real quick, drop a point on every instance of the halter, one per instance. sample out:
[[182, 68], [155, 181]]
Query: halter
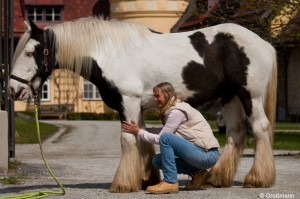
[[38, 72]]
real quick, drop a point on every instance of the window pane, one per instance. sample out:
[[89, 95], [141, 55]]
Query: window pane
[[45, 87], [45, 95], [48, 18], [57, 18], [56, 11], [48, 10], [85, 86], [39, 18], [90, 88], [85, 95], [45, 91], [30, 11], [97, 94], [39, 11]]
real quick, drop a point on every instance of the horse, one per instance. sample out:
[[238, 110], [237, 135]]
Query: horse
[[126, 60]]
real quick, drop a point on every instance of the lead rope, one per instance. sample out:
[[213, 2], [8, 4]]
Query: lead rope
[[40, 194]]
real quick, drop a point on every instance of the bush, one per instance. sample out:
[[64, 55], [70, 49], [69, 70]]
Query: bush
[[149, 115], [209, 116], [93, 116]]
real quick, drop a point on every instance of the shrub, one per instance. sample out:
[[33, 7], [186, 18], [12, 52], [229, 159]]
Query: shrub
[[93, 116]]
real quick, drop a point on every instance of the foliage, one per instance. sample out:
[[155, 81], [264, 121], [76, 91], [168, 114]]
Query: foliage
[[277, 21], [93, 116], [151, 115], [16, 177], [13, 179]]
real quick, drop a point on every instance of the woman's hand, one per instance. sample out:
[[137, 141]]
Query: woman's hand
[[130, 127]]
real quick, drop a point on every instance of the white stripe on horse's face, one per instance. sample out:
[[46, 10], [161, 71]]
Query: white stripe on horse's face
[[25, 67]]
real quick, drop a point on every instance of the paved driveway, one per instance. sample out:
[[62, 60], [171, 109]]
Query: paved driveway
[[86, 158]]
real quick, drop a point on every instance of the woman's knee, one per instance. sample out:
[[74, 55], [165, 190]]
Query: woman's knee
[[213, 159], [165, 137]]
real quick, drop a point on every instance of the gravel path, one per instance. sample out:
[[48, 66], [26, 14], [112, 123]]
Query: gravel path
[[86, 157]]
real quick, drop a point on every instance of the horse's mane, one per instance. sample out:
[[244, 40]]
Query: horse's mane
[[21, 45], [76, 41]]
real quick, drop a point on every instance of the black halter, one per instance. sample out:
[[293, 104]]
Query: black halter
[[38, 72]]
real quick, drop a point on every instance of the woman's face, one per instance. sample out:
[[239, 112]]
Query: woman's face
[[159, 98]]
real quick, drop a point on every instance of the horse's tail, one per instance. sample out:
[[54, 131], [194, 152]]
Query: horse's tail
[[271, 95]]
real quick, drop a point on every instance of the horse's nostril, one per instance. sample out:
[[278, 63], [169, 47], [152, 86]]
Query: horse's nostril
[[12, 91], [17, 95]]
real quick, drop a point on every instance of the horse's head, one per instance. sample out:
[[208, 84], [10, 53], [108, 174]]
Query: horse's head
[[32, 63]]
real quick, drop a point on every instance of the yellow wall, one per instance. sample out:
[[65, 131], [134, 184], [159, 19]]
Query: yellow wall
[[159, 15]]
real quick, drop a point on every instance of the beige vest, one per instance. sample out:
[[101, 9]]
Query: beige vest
[[196, 129]]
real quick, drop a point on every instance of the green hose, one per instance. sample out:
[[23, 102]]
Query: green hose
[[40, 194]]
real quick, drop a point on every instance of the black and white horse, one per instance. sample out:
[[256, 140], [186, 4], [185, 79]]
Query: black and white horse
[[126, 60]]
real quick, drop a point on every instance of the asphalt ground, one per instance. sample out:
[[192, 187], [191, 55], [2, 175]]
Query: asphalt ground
[[84, 156]]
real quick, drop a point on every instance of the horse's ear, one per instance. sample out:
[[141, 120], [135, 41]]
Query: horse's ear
[[36, 32], [27, 26]]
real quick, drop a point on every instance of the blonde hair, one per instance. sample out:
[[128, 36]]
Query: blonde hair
[[169, 94]]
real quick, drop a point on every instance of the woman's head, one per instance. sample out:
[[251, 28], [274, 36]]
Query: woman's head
[[164, 95]]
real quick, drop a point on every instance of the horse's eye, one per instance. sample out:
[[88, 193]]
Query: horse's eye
[[29, 54]]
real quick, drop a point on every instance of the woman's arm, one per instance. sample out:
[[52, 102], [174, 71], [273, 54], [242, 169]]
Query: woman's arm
[[174, 119]]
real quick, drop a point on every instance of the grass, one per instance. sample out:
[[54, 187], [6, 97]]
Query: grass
[[287, 126], [286, 137], [282, 140], [26, 131]]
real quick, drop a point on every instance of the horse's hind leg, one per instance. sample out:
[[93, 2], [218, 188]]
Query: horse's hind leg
[[262, 173], [223, 173]]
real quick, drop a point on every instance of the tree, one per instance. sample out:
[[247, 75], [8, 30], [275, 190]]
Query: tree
[[277, 21]]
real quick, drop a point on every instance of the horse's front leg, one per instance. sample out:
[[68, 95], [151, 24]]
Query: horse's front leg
[[135, 169]]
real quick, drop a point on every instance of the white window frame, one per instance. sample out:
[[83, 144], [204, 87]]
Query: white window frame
[[46, 91], [44, 13], [92, 94]]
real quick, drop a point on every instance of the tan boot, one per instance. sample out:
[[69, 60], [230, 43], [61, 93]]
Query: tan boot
[[163, 187], [198, 179]]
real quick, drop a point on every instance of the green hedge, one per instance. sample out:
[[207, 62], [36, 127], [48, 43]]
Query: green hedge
[[93, 116], [115, 116]]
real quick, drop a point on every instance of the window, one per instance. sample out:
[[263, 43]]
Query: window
[[90, 92], [45, 93], [44, 14]]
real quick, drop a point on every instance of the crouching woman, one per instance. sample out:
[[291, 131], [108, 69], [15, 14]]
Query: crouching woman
[[187, 144]]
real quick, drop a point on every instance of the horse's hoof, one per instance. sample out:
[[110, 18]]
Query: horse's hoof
[[254, 180], [218, 180]]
